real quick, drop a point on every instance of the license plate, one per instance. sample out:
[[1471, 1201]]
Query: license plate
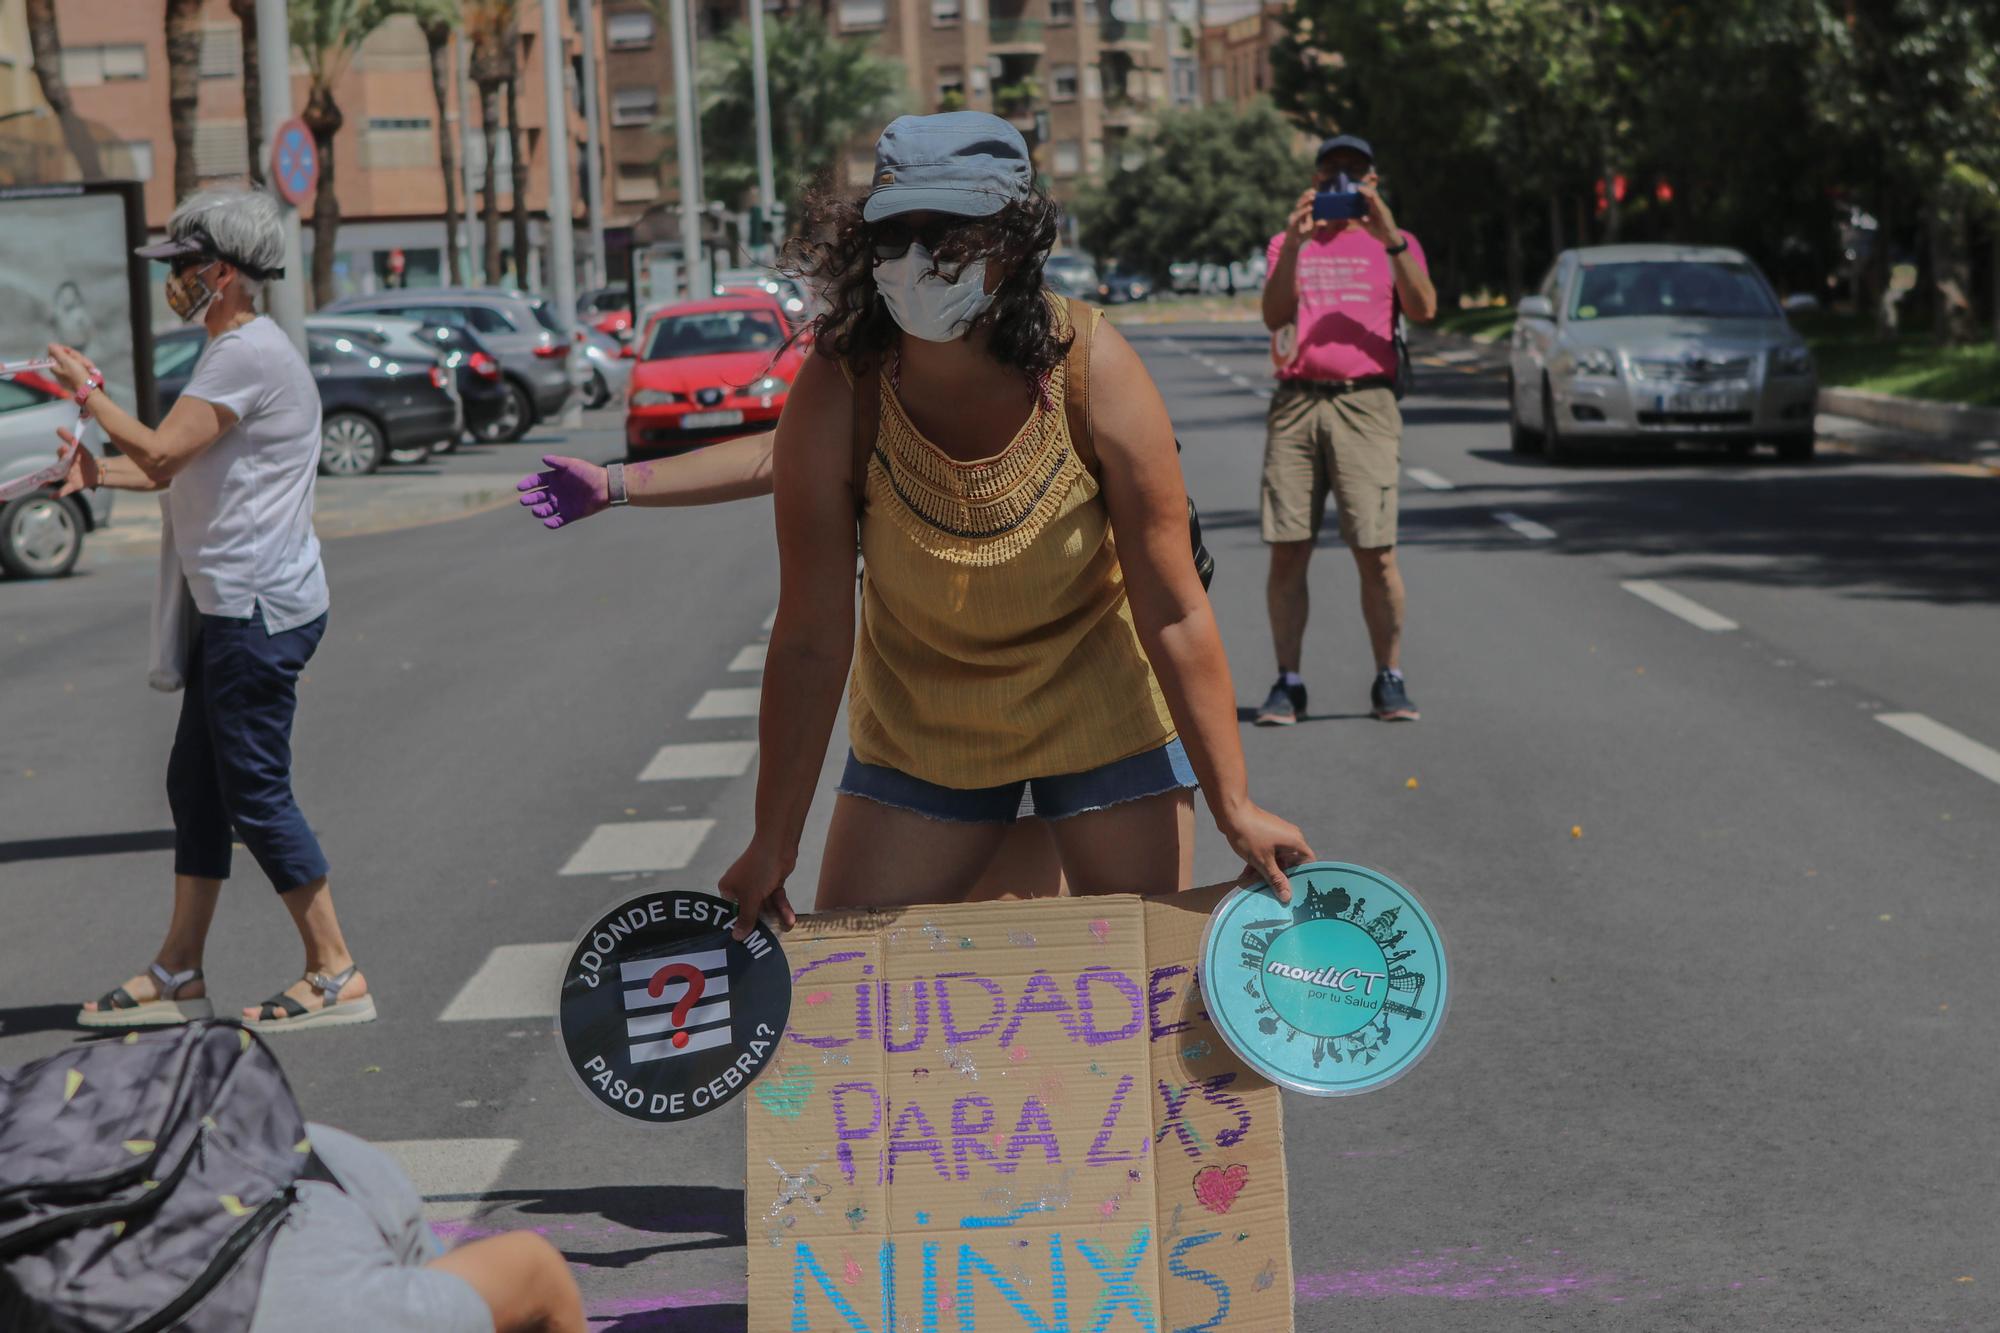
[[704, 420], [1700, 401]]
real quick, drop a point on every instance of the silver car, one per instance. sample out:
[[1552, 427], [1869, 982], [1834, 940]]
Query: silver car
[[1657, 343], [41, 536]]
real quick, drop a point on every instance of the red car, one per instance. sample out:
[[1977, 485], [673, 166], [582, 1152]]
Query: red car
[[709, 370]]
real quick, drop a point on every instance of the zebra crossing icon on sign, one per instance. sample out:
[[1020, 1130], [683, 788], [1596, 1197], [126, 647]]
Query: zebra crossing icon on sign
[[675, 1004]]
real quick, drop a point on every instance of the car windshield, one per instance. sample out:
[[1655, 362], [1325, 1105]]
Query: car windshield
[[713, 332], [1690, 289]]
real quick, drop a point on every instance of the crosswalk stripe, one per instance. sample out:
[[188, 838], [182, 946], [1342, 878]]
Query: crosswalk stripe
[[700, 759], [1428, 479], [640, 844], [1955, 745], [515, 981], [1676, 605], [726, 703], [750, 657], [453, 1175], [1525, 527]]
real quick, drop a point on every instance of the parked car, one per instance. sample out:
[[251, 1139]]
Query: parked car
[[41, 537], [1630, 343], [1071, 275], [475, 373], [708, 370], [1121, 286], [401, 339], [610, 369], [608, 310], [371, 402], [520, 330]]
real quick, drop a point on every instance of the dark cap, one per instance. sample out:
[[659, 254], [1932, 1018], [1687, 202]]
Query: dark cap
[[1353, 142], [197, 241], [963, 162]]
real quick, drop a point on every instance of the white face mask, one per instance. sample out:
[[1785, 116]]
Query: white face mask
[[926, 305]]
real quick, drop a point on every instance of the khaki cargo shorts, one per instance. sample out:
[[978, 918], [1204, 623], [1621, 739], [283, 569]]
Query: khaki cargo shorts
[[1348, 443]]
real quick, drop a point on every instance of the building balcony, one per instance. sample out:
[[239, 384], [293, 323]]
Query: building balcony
[[1015, 32], [1122, 32]]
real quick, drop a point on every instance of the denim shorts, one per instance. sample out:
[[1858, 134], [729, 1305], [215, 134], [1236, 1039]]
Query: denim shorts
[[1146, 774]]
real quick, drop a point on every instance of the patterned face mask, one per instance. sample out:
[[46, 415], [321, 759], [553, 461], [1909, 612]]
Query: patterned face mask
[[188, 295]]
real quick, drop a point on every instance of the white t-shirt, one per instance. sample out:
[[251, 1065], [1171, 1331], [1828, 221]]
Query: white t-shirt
[[242, 510]]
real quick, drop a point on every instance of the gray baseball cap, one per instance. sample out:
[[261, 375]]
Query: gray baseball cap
[[963, 162]]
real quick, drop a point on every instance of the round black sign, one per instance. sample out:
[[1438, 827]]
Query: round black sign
[[664, 1016]]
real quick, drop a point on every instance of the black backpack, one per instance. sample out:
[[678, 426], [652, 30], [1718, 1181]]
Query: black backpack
[[141, 1181]]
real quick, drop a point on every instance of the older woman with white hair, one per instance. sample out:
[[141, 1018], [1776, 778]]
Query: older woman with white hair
[[236, 457]]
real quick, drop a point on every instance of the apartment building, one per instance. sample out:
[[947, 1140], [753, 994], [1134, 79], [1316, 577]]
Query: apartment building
[[385, 155], [1236, 51]]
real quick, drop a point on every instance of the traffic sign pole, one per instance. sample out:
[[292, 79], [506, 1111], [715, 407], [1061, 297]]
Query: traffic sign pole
[[284, 297]]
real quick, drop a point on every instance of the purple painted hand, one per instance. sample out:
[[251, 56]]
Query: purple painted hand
[[569, 492]]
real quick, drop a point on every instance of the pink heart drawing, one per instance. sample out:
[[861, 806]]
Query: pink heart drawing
[[1216, 1187]]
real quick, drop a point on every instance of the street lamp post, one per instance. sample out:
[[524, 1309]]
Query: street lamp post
[[694, 261], [593, 167], [760, 80], [562, 241], [286, 296]]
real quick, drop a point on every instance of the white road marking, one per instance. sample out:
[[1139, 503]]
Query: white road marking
[[640, 844], [1676, 605], [726, 703], [1428, 479], [453, 1175], [515, 981], [1526, 527], [1263, 392], [750, 657], [1239, 381], [1956, 745], [707, 759], [770, 620]]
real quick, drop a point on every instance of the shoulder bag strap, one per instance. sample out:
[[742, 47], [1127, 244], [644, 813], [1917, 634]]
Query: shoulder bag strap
[[1076, 381]]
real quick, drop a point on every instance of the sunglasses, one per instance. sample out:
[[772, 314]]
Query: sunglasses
[[181, 265], [891, 238]]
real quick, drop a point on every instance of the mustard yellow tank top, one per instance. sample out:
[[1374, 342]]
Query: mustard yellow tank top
[[996, 641]]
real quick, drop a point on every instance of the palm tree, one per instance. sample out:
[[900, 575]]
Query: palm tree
[[183, 87], [437, 35], [825, 90], [489, 25], [45, 40], [253, 87]]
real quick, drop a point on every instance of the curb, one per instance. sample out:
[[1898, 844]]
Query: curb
[[1954, 421]]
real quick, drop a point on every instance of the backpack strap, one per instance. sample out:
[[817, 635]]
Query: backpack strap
[[1076, 380], [865, 423]]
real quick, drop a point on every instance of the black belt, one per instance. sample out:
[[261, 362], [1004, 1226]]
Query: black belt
[[1335, 388]]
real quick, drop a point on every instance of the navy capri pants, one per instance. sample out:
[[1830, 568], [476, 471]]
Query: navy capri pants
[[232, 759]]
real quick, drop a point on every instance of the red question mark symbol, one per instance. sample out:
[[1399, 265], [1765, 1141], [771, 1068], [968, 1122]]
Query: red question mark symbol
[[696, 982]]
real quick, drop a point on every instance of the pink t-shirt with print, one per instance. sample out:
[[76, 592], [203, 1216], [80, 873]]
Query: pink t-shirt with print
[[1346, 316]]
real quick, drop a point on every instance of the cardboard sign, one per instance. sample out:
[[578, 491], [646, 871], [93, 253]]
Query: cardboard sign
[[1012, 1117], [1342, 991]]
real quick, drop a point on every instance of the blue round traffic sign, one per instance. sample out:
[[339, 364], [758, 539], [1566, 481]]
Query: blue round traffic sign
[[1340, 992], [294, 163]]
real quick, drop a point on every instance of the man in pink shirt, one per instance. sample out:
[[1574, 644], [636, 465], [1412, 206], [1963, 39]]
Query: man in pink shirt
[[1331, 298]]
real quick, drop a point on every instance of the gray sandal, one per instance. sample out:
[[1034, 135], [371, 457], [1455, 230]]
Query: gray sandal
[[281, 1013], [117, 1008]]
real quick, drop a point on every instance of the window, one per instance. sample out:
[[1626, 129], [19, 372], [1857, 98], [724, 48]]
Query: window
[[1187, 82], [637, 182], [400, 123], [1093, 83], [628, 32], [635, 106], [1063, 79], [716, 333], [950, 81], [1062, 11], [1069, 157], [944, 13], [139, 158], [860, 14], [88, 66], [222, 51], [221, 148], [392, 142]]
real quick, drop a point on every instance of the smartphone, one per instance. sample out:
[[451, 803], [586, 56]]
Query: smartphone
[[1338, 202]]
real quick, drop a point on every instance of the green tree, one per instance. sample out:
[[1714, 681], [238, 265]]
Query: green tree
[[826, 91], [1213, 187]]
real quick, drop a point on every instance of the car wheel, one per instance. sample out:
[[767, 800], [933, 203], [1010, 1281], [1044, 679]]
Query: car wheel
[[512, 421], [449, 445], [350, 445], [1797, 448], [597, 393], [1553, 447], [40, 536], [1523, 440]]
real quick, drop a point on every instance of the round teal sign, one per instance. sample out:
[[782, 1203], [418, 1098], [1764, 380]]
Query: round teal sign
[[1338, 993]]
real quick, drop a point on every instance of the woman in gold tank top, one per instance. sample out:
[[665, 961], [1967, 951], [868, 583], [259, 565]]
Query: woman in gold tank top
[[1031, 624]]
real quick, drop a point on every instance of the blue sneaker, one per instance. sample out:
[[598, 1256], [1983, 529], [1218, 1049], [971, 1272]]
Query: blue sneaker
[[1392, 702], [1285, 705]]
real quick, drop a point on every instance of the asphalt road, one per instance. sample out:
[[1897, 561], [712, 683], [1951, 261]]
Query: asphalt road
[[1722, 1054]]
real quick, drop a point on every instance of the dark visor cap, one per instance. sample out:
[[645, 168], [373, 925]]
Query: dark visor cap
[[1352, 142]]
